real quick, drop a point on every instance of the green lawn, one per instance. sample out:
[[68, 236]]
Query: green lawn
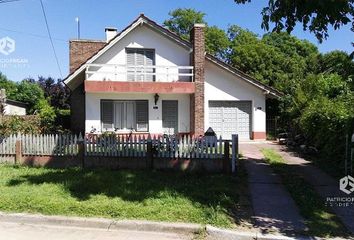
[[319, 219], [152, 195]]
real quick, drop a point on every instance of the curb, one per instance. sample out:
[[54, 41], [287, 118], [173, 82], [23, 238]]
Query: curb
[[138, 225], [101, 223]]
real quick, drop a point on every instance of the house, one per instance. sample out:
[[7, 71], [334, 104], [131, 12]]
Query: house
[[12, 107], [147, 79]]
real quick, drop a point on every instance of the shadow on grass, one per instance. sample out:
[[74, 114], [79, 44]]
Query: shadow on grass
[[217, 191]]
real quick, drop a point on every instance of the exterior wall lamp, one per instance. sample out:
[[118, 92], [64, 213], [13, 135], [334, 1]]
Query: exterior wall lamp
[[156, 98]]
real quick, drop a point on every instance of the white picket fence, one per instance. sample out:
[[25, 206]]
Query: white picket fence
[[44, 144], [8, 145], [114, 146], [187, 147], [136, 146]]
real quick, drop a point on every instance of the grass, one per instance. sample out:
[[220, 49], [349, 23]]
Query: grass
[[319, 219], [151, 195]]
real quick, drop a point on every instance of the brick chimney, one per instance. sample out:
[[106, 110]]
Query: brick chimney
[[197, 38], [81, 50]]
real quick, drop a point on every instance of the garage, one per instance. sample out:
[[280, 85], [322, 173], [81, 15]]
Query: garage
[[230, 117]]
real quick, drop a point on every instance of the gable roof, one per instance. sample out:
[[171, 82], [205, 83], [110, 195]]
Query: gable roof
[[142, 19]]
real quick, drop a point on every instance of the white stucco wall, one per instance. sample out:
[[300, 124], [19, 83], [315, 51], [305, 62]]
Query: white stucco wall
[[93, 109], [14, 110], [167, 53], [224, 86]]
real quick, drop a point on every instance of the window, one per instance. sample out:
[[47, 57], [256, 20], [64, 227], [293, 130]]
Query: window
[[124, 115], [139, 61]]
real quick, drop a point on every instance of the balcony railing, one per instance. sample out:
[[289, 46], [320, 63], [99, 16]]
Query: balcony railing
[[116, 72]]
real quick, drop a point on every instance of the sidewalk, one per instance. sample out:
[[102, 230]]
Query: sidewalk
[[323, 183], [273, 206]]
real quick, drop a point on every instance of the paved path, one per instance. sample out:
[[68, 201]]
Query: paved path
[[272, 204], [323, 183], [16, 231]]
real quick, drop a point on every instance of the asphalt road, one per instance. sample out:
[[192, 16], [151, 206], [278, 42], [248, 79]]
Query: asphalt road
[[16, 231]]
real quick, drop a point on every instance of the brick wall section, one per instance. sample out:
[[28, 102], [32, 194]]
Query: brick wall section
[[81, 50], [77, 107], [198, 61]]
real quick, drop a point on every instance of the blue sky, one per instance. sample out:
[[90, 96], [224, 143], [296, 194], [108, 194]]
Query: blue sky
[[23, 21]]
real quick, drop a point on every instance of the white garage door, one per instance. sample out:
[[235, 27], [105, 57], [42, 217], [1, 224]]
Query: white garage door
[[230, 117]]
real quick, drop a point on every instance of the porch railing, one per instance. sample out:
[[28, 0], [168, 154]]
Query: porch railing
[[139, 73]]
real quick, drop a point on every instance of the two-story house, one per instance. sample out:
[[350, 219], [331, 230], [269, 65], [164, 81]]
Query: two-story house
[[147, 79]]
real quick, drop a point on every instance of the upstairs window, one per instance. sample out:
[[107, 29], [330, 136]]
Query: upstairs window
[[140, 62]]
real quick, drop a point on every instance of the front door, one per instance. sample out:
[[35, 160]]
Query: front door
[[170, 116]]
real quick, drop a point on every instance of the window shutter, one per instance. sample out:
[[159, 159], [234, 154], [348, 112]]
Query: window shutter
[[107, 115], [139, 61], [140, 57], [142, 116], [149, 61], [130, 62]]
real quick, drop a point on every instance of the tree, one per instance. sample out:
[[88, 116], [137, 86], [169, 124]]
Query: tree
[[216, 42], [315, 15], [9, 86], [30, 93], [251, 55], [47, 115], [182, 21], [338, 62], [277, 59], [55, 91]]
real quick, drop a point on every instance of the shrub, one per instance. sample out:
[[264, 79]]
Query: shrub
[[325, 123], [46, 114], [19, 124]]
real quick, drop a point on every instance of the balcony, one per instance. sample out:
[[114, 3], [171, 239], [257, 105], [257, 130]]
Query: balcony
[[139, 79], [125, 73]]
